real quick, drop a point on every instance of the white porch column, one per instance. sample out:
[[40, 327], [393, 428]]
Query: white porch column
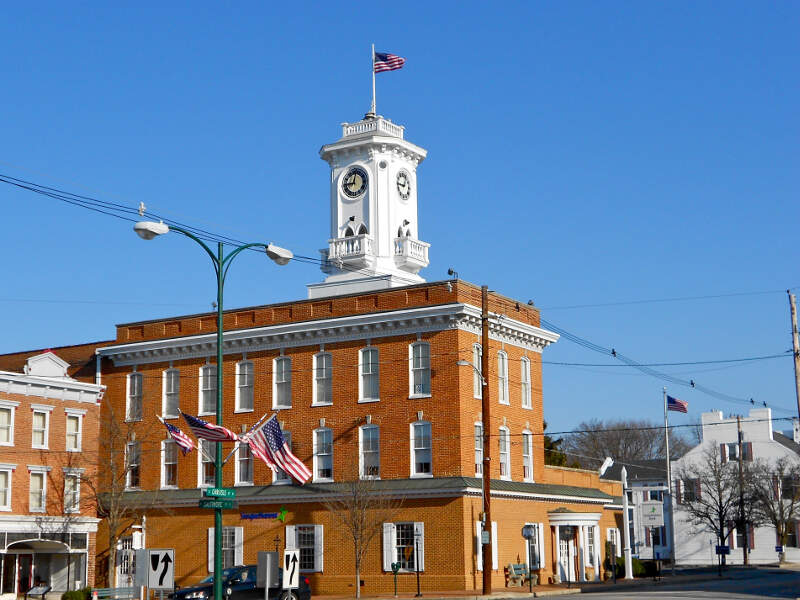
[[581, 553], [597, 552], [557, 566]]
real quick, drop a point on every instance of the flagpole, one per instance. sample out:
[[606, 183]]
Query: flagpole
[[373, 110], [669, 484], [257, 423]]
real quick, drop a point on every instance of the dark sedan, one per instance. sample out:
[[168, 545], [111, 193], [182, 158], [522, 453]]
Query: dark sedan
[[239, 583]]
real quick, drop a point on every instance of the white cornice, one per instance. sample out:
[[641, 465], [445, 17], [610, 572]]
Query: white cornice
[[326, 331], [55, 388]]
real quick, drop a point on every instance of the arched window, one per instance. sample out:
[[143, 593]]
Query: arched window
[[400, 231], [527, 455], [362, 229], [477, 375], [323, 378], [348, 232], [369, 388], [502, 377], [323, 454], [505, 458], [421, 450], [420, 363], [525, 381], [369, 439]]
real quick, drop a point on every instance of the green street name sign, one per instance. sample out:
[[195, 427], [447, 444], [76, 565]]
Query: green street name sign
[[219, 493], [214, 503]]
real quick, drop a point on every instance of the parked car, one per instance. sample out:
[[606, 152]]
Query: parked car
[[239, 583]]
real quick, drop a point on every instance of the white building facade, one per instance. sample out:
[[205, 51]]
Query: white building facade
[[694, 546]]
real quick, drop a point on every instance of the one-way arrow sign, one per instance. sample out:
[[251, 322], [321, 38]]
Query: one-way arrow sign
[[291, 569], [161, 569]]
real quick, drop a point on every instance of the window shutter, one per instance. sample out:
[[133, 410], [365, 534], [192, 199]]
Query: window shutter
[[619, 543], [541, 546], [319, 547], [136, 540], [776, 489], [419, 533], [647, 536], [494, 545], [238, 545], [478, 547], [748, 451], [388, 546], [723, 456], [210, 549], [291, 538], [751, 537], [697, 489], [678, 498]]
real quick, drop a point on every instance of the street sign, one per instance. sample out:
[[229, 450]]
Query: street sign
[[291, 569], [215, 503], [779, 549], [219, 493], [723, 549], [161, 569], [653, 514]]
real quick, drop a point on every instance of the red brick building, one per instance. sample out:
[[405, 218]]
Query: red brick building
[[48, 450]]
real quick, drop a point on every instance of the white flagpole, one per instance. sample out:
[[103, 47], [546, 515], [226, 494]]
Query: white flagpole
[[372, 67]]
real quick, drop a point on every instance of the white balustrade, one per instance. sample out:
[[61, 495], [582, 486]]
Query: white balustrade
[[410, 248], [356, 246], [378, 125]]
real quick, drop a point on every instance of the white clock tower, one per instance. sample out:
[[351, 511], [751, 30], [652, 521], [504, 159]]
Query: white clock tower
[[374, 235]]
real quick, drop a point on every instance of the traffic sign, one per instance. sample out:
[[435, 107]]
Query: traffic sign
[[215, 503], [652, 514], [779, 549], [723, 549], [161, 569], [291, 569], [219, 492]]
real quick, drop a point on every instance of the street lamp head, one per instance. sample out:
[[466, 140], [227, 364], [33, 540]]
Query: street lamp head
[[147, 230], [280, 256], [463, 363]]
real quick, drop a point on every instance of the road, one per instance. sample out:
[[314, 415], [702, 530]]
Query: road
[[750, 584]]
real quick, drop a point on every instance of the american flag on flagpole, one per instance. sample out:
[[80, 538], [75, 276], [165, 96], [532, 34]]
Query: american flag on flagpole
[[208, 431], [268, 444], [388, 62], [184, 442], [677, 405]]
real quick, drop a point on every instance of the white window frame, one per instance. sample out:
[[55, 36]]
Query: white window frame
[[319, 546], [238, 546], [164, 445], [41, 472], [478, 438], [364, 377], [166, 392], [207, 379], [11, 407], [211, 450], [239, 480], [362, 452], [502, 378], [538, 544], [414, 449], [8, 469], [477, 372], [423, 372], [612, 535], [74, 474], [527, 455], [281, 376], [242, 392], [45, 410], [525, 383], [128, 471], [325, 381], [504, 455], [318, 454], [134, 396], [281, 477], [78, 414], [390, 545]]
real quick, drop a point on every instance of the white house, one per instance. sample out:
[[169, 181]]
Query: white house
[[761, 442]]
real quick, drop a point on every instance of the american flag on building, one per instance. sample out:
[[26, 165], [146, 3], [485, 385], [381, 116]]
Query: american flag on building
[[208, 431], [268, 444], [184, 442], [388, 62], [677, 405]]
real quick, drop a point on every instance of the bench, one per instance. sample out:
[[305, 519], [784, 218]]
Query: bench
[[518, 575], [123, 593]]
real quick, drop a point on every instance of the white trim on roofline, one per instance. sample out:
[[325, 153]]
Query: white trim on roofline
[[324, 331], [53, 388]]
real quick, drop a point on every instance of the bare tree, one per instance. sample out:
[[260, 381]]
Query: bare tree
[[622, 439], [776, 491], [708, 492], [360, 507]]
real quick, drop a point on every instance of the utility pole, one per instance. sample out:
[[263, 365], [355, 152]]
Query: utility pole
[[486, 418], [742, 524], [795, 349]]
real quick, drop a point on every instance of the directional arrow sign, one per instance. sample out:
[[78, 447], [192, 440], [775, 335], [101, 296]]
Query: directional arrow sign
[[291, 569], [161, 569]]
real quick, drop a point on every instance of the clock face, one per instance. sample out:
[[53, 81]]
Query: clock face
[[354, 182], [404, 185]]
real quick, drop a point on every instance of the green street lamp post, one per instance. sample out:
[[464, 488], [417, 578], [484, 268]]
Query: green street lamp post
[[148, 230]]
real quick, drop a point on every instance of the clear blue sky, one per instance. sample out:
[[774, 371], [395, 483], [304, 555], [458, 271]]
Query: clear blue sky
[[580, 153]]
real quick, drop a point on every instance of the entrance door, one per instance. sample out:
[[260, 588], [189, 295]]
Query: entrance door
[[9, 573], [24, 573], [566, 552]]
